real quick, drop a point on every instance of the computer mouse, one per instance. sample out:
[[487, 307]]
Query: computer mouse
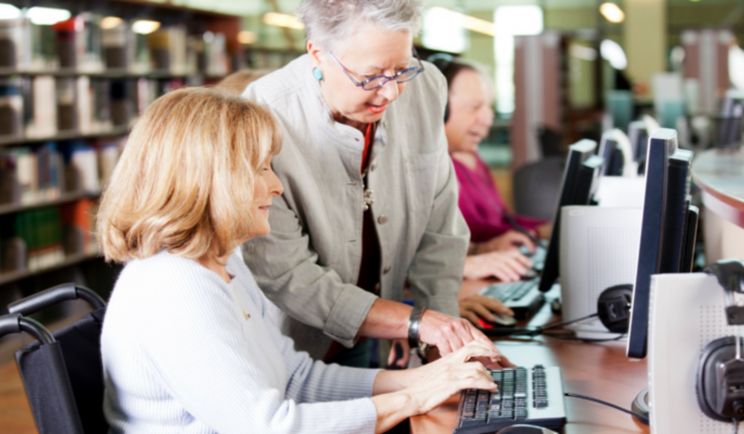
[[499, 321], [525, 429]]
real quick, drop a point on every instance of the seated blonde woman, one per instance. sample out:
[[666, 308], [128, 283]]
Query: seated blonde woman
[[190, 343]]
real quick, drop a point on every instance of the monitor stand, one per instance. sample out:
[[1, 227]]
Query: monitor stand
[[640, 405]]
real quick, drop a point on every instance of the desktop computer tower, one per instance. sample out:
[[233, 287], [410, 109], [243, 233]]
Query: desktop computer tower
[[599, 249]]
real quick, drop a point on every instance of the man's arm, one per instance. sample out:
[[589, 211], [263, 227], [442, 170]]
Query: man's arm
[[287, 270]]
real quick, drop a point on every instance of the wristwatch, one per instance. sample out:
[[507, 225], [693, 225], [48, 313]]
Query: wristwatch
[[414, 325]]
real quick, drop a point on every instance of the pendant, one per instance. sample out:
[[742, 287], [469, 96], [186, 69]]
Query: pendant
[[368, 198]]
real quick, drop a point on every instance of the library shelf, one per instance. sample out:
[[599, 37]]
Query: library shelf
[[14, 276], [10, 208], [65, 135]]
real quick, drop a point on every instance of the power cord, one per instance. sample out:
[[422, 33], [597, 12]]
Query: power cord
[[640, 417], [542, 330]]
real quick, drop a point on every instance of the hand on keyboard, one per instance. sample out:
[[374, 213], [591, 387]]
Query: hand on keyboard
[[435, 382], [448, 333], [506, 241], [507, 266], [477, 308]]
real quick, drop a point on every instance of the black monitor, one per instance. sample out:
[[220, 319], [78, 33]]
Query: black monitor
[[638, 135], [577, 188], [666, 234], [729, 122], [611, 154]]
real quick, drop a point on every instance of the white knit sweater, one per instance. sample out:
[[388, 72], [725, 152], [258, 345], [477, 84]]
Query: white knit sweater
[[185, 352]]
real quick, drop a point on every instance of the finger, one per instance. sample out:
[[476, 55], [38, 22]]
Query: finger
[[522, 259], [391, 355], [505, 275], [520, 238], [483, 312], [494, 305], [470, 316], [403, 361], [515, 267]]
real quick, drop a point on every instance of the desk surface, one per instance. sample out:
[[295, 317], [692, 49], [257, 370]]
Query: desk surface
[[599, 370], [720, 175]]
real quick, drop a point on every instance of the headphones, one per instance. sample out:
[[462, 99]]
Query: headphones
[[449, 67], [719, 383], [613, 307]]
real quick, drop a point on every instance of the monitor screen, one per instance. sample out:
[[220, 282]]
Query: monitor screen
[[612, 156], [729, 123], [577, 187], [664, 234], [638, 135]]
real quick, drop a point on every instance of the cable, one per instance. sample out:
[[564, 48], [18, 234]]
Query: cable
[[587, 340], [641, 417], [736, 425], [523, 331], [565, 323]]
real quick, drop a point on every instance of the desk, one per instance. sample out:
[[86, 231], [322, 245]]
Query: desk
[[720, 176], [598, 370]]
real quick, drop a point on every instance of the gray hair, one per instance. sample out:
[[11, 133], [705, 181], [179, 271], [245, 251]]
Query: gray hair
[[329, 21]]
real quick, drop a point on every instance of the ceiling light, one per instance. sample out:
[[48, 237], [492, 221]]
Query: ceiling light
[[47, 16], [145, 27], [471, 23], [108, 23], [9, 12], [246, 37], [613, 53], [612, 12], [282, 20]]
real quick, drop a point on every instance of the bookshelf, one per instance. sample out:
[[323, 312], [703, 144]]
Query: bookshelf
[[69, 93]]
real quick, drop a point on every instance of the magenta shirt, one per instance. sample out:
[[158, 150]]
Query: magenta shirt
[[482, 205]]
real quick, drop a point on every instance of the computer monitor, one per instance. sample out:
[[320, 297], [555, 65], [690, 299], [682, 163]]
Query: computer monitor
[[665, 234], [577, 188], [638, 135], [616, 150], [729, 122]]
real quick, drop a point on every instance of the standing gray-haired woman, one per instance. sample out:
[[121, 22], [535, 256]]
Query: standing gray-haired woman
[[370, 200]]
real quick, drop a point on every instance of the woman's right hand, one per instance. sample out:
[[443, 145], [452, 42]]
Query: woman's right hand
[[508, 266], [410, 392], [435, 382]]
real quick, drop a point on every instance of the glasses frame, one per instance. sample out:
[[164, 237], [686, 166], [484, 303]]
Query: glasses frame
[[386, 78]]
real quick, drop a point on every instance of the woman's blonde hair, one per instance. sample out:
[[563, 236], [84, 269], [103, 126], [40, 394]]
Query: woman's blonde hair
[[236, 82], [185, 179]]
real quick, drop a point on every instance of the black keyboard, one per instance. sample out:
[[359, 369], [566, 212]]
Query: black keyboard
[[523, 296], [526, 395]]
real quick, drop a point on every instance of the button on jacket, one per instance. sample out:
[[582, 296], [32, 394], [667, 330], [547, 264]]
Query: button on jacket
[[310, 261]]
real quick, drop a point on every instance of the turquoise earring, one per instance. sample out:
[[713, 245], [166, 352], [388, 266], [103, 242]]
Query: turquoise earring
[[317, 74]]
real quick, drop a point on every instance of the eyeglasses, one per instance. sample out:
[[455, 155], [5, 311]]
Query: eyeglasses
[[377, 81]]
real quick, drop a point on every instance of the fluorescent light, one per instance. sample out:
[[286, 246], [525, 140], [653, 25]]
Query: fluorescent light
[[47, 16], [518, 20], [246, 37], [471, 23], [9, 12], [582, 52], [282, 20], [108, 23], [145, 27], [613, 53], [612, 12], [441, 32]]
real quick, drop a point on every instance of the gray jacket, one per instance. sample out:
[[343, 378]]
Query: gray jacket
[[309, 263]]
